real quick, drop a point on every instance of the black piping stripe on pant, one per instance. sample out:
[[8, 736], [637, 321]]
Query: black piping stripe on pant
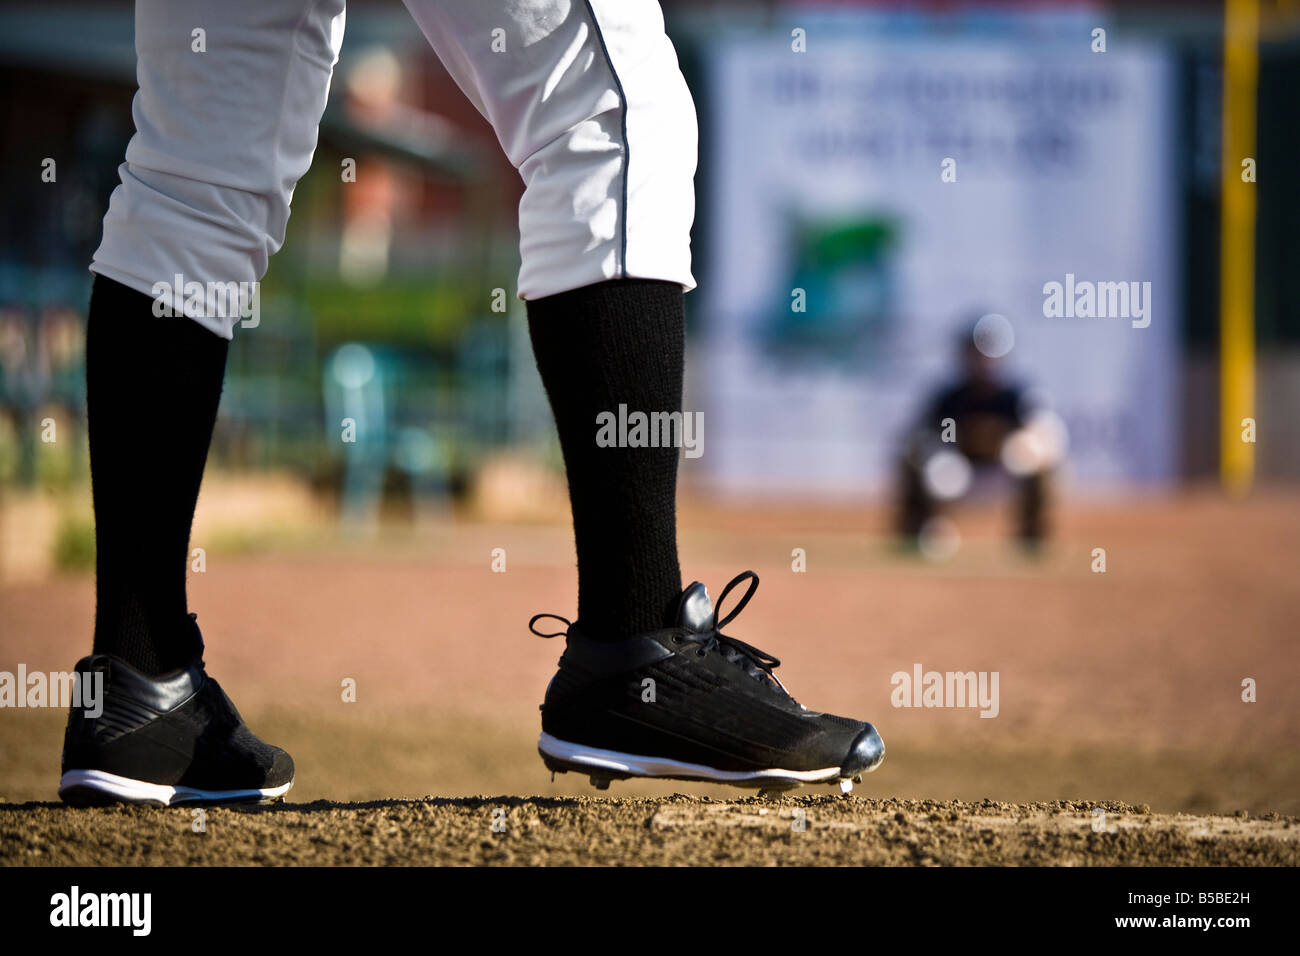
[[627, 153]]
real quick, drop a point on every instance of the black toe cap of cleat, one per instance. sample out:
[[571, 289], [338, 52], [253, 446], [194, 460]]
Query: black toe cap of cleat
[[281, 771], [866, 754]]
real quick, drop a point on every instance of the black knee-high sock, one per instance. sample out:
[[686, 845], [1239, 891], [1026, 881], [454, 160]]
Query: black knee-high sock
[[598, 347], [152, 389]]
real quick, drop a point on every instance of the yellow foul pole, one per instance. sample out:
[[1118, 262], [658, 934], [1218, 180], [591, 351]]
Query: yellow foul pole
[[1237, 246]]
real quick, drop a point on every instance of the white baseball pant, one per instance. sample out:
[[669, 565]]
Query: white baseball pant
[[586, 100]]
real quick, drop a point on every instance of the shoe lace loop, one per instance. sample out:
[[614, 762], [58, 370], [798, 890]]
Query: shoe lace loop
[[758, 663], [718, 625], [532, 622]]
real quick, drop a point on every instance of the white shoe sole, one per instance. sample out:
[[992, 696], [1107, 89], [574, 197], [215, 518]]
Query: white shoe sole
[[606, 765], [97, 786]]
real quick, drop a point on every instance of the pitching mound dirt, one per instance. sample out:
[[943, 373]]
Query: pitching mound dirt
[[538, 831]]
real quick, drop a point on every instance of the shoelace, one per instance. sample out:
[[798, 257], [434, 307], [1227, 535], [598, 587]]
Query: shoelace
[[757, 663]]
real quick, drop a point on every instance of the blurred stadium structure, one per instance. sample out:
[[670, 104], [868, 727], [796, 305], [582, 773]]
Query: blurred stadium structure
[[820, 171]]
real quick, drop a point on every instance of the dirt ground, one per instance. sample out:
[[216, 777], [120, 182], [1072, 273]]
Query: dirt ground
[[566, 831], [1118, 690]]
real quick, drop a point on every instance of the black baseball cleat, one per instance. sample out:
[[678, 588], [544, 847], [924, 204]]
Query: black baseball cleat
[[165, 740], [690, 703]]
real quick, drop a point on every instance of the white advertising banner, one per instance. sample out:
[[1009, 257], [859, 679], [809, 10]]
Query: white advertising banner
[[866, 200]]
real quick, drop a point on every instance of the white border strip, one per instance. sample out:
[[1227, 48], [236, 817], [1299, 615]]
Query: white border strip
[[612, 760], [124, 788]]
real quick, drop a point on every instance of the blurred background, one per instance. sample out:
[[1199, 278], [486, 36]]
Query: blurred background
[[874, 178]]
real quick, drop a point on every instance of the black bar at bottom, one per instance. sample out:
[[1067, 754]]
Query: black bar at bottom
[[244, 905]]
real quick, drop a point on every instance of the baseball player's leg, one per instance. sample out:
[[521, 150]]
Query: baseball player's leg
[[226, 115], [230, 95], [1031, 507], [587, 100], [589, 104], [915, 503]]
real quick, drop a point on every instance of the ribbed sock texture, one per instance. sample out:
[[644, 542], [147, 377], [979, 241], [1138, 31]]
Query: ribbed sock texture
[[616, 342], [152, 389]]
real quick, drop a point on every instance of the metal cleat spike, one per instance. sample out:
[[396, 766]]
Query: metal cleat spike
[[846, 786]]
